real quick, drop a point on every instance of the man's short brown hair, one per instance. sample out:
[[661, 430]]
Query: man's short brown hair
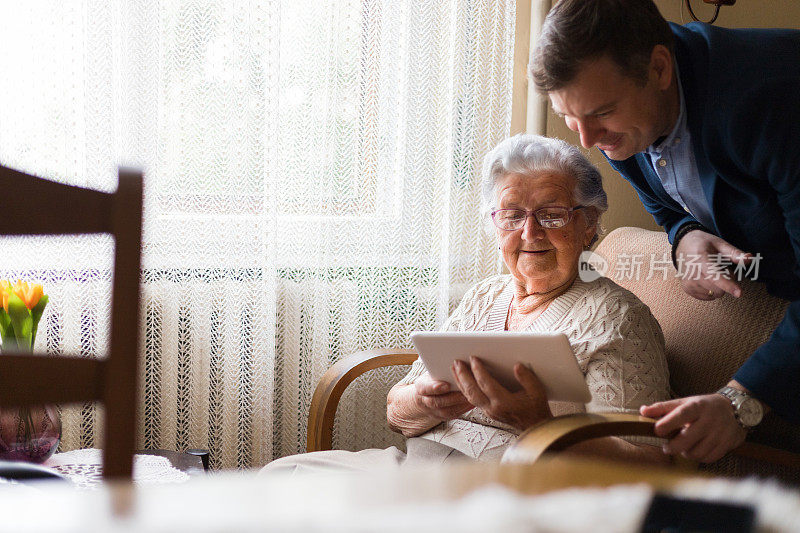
[[576, 31]]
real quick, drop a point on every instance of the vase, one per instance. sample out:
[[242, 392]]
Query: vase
[[29, 434]]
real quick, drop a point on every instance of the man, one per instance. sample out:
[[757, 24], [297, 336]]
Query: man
[[704, 122]]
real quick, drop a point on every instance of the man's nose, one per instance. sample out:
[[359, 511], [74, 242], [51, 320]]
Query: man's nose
[[589, 134]]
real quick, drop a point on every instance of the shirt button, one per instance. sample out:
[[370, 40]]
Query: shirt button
[[662, 162], [677, 140]]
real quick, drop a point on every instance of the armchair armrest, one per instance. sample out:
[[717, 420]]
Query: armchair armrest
[[333, 384], [562, 432]]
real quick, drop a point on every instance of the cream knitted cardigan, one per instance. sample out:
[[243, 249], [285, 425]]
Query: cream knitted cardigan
[[617, 342]]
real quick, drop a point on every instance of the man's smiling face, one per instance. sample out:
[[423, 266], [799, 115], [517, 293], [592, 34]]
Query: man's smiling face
[[616, 113]]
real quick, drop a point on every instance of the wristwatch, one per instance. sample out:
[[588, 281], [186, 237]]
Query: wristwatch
[[747, 410]]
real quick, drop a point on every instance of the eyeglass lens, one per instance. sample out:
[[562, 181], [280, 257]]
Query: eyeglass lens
[[547, 217]]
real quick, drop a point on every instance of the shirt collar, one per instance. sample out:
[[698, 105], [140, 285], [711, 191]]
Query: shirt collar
[[678, 133]]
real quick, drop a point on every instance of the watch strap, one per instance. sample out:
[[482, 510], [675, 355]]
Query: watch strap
[[737, 398]]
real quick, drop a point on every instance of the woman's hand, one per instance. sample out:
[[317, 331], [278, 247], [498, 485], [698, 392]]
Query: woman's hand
[[436, 399], [520, 409], [414, 409]]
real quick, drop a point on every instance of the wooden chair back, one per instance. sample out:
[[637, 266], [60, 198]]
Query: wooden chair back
[[38, 379]]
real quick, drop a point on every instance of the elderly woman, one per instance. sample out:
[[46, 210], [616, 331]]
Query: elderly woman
[[545, 200]]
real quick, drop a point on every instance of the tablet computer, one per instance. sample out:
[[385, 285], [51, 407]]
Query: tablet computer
[[548, 355]]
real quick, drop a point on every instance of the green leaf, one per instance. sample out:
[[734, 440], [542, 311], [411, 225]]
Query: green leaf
[[36, 315], [21, 321], [7, 332], [5, 325], [10, 344]]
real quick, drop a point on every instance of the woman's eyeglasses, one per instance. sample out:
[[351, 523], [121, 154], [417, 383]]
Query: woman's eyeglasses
[[547, 217]]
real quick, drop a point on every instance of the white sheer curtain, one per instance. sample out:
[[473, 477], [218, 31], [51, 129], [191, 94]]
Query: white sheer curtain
[[311, 189]]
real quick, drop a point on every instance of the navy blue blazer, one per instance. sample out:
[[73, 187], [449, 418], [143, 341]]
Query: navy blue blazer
[[742, 94]]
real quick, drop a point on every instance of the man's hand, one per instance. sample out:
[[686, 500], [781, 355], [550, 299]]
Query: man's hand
[[520, 409], [706, 426], [702, 257]]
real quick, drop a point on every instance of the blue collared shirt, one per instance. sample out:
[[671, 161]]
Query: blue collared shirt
[[673, 160]]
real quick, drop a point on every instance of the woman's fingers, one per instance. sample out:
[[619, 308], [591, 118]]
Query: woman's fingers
[[446, 406], [521, 409], [536, 398], [469, 385], [428, 386], [489, 386], [529, 381]]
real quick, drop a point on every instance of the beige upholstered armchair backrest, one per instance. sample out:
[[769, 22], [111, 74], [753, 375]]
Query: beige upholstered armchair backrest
[[706, 342]]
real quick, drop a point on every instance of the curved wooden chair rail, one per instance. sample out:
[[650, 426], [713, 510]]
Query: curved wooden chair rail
[[559, 433], [562, 432], [333, 384]]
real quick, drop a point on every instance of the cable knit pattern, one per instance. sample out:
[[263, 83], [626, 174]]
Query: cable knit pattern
[[617, 343]]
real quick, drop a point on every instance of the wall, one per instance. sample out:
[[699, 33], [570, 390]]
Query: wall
[[624, 206]]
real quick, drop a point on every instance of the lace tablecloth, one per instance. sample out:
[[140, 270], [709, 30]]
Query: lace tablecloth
[[84, 468]]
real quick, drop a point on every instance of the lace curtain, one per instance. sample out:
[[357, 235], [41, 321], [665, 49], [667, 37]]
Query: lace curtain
[[311, 190]]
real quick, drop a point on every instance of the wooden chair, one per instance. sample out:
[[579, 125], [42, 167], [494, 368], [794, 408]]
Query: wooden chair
[[325, 402], [36, 379], [705, 343]]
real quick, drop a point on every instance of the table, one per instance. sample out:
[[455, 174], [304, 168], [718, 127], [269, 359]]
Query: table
[[84, 467], [564, 494]]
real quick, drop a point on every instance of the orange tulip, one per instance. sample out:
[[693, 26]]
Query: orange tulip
[[29, 294], [5, 289]]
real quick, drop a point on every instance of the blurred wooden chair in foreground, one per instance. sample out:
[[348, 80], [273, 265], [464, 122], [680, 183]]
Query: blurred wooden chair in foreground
[[38, 379]]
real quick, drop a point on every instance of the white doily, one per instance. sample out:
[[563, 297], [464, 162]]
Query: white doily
[[84, 468]]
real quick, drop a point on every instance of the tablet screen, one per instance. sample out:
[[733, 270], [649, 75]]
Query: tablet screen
[[550, 357]]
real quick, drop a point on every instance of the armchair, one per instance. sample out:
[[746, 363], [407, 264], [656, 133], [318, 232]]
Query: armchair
[[705, 343]]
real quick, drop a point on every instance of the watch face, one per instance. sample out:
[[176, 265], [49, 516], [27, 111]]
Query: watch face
[[750, 412]]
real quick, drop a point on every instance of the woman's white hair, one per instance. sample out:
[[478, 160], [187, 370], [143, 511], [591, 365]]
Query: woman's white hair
[[529, 155]]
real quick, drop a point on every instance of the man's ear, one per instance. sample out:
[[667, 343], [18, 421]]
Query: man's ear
[[661, 66]]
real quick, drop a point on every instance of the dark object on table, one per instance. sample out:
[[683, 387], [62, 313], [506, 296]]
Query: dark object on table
[[676, 515], [26, 379], [185, 462], [23, 472], [202, 453]]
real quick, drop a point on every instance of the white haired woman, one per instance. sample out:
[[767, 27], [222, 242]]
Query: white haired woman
[[545, 200]]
